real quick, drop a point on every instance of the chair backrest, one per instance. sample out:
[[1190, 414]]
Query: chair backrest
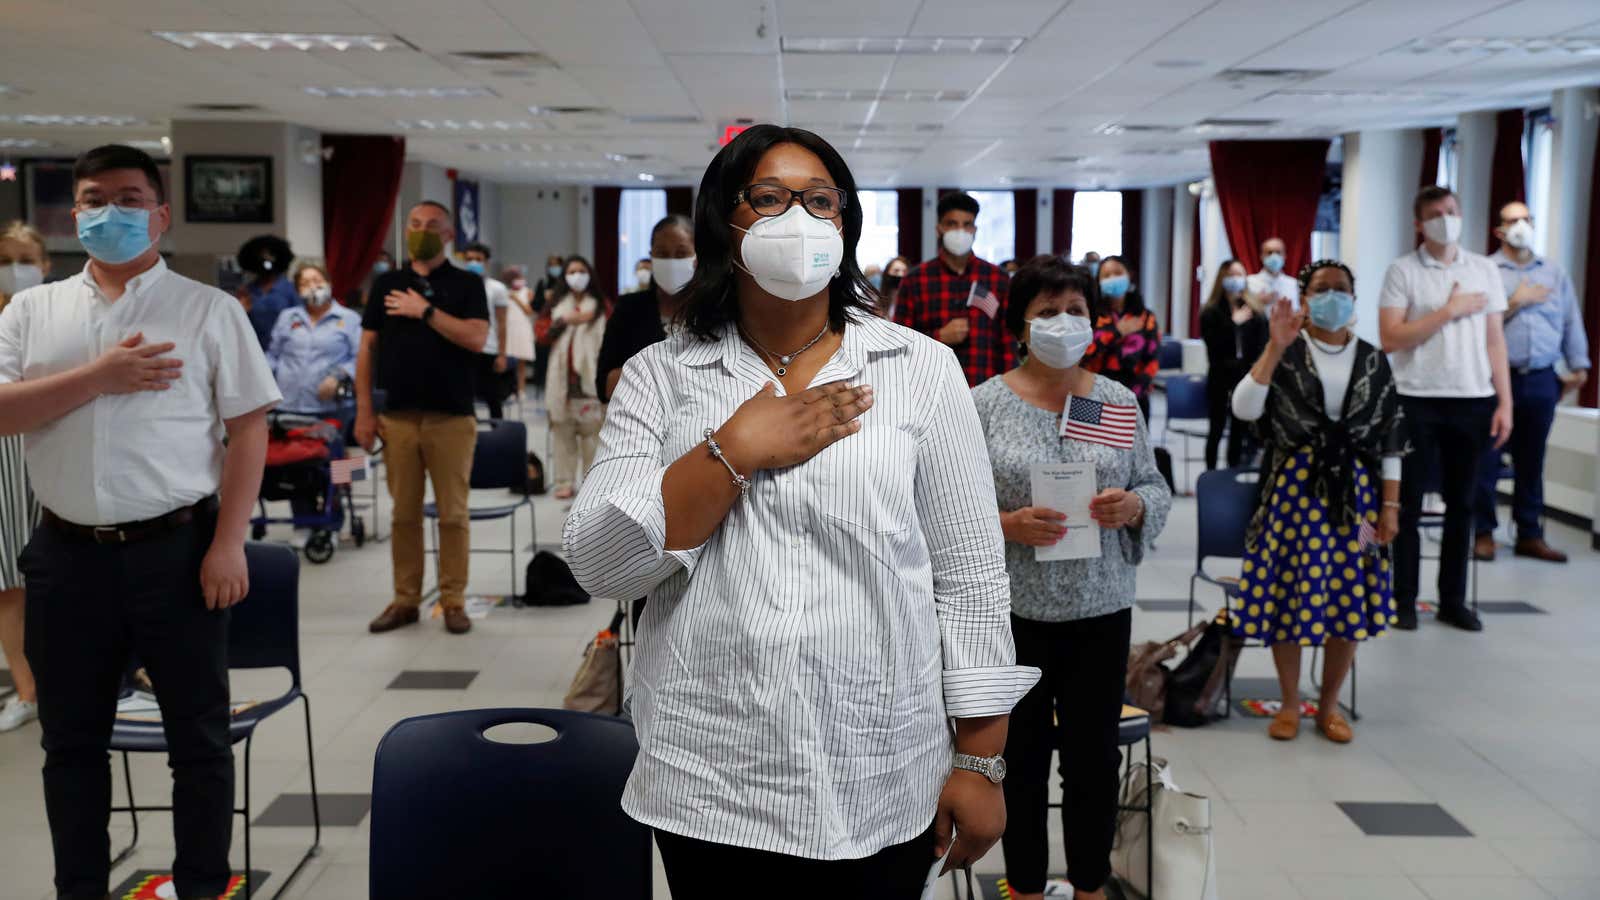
[[264, 627], [1170, 356], [501, 458], [1186, 397], [1225, 501], [455, 814]]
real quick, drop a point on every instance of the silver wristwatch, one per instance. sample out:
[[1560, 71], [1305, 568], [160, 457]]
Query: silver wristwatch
[[990, 767]]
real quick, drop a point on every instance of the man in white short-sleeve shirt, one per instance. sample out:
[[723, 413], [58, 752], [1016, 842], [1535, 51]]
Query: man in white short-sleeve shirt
[[142, 395], [1439, 318], [1271, 284], [493, 364]]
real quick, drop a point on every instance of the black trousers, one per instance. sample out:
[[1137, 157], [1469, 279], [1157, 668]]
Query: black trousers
[[1219, 395], [1075, 710], [90, 607], [491, 385], [1448, 436], [1534, 397], [695, 868]]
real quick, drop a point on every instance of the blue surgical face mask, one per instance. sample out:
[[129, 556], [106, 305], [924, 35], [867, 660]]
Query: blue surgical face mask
[[553, 271], [114, 234], [1115, 286], [1233, 284], [475, 266], [380, 267], [1331, 310], [1094, 267], [1273, 262]]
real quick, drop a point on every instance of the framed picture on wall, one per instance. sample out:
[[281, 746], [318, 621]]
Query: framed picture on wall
[[47, 200], [232, 189]]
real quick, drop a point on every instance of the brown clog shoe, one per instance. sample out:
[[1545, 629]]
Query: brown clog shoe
[[1334, 727], [1285, 725]]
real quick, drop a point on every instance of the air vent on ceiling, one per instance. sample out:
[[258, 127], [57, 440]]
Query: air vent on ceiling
[[1251, 78], [224, 107], [568, 110], [1237, 123], [1064, 160], [1162, 151], [517, 58], [1113, 128]]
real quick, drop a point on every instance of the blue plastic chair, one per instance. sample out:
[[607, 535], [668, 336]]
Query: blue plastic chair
[[1170, 356], [455, 814], [1186, 401], [1225, 501], [263, 633], [499, 461]]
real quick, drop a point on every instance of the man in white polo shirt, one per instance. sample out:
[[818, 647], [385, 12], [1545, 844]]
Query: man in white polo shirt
[[1271, 284], [1440, 320], [125, 380]]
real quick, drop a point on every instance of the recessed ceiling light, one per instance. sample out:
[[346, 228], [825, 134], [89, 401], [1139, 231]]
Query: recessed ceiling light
[[273, 40], [627, 157], [831, 95], [525, 147], [1578, 46], [373, 91], [59, 121], [558, 164], [567, 110], [646, 176], [11, 143], [956, 46], [463, 125], [1211, 126], [1116, 128]]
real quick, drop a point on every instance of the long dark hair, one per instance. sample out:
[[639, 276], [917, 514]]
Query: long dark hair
[[1217, 292], [711, 302], [1132, 301], [594, 283]]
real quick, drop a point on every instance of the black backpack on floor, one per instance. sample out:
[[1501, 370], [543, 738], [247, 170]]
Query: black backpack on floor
[[550, 582]]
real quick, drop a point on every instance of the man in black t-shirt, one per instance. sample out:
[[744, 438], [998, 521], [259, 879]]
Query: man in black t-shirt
[[423, 327]]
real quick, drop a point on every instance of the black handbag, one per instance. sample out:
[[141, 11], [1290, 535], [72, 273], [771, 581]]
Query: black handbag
[[1197, 689]]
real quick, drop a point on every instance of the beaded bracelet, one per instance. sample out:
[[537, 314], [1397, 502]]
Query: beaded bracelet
[[739, 481]]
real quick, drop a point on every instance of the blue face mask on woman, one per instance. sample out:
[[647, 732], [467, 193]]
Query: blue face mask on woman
[[114, 234], [475, 266], [1115, 286], [1331, 310]]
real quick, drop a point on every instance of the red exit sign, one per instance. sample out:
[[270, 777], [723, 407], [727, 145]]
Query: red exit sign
[[730, 132]]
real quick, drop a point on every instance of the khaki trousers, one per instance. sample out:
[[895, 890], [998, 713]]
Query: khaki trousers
[[575, 435], [436, 447]]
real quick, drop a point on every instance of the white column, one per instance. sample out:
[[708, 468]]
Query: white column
[[1155, 257], [1375, 223], [585, 221], [1183, 261], [930, 224], [1474, 164], [1046, 220], [1214, 245], [1571, 167]]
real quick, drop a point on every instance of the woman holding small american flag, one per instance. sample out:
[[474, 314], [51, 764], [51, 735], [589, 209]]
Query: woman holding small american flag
[[1330, 493], [1072, 617]]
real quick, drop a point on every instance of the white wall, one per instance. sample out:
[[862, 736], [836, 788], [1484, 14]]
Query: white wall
[[1571, 167], [1214, 246], [1155, 259], [1375, 225], [1474, 165], [534, 222], [489, 219]]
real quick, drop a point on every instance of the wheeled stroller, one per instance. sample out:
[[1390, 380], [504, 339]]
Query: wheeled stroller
[[302, 450]]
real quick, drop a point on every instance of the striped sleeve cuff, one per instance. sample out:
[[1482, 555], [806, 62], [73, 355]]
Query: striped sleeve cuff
[[986, 691], [649, 512]]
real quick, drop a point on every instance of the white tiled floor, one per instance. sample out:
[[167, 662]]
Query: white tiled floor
[[1501, 729]]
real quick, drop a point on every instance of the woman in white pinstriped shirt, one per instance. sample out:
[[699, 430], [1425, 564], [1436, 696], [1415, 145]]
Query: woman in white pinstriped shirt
[[806, 640]]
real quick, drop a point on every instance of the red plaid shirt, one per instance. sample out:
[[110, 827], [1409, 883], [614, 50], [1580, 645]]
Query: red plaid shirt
[[932, 295]]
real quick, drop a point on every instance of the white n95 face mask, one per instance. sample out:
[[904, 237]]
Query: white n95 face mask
[[1059, 341], [1442, 229], [672, 274], [1520, 235], [792, 256], [578, 281], [958, 241], [18, 277]]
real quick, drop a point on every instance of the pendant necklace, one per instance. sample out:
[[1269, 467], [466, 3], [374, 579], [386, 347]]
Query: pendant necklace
[[783, 360]]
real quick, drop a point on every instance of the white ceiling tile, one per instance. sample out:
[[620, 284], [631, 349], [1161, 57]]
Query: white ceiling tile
[[635, 90], [732, 85], [846, 18], [998, 18], [716, 26], [1531, 18], [937, 72], [835, 71]]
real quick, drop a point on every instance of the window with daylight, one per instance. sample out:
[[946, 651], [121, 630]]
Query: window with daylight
[[1096, 224], [1536, 158], [880, 229], [1447, 160], [996, 240], [640, 210]]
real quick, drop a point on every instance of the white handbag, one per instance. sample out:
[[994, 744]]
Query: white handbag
[[1185, 857]]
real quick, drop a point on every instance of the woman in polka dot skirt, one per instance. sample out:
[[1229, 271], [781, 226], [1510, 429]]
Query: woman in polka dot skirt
[[1315, 573]]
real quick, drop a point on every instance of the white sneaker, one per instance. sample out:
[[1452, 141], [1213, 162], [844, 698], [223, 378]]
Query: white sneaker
[[16, 713]]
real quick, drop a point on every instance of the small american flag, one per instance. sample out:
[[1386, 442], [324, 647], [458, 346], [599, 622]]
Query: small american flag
[[1367, 536], [345, 471], [1100, 423], [982, 299]]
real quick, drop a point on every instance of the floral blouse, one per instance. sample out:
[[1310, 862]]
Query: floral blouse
[[1131, 360]]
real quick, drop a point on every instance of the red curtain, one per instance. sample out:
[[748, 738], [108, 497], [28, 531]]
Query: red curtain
[[1432, 143], [607, 209], [1505, 177], [1061, 221], [1194, 266], [909, 203], [1132, 231], [680, 201], [360, 182], [1025, 201], [1269, 189], [1591, 294]]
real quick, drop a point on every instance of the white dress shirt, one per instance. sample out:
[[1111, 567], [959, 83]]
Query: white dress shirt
[[130, 457], [1454, 362], [1283, 284], [499, 297], [795, 673]]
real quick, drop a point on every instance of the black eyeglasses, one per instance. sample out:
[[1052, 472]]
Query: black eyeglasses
[[774, 200]]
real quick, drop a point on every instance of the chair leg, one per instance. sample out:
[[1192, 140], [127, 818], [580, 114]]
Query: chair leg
[[1191, 600], [249, 882], [514, 553], [316, 809], [133, 814], [1149, 821]]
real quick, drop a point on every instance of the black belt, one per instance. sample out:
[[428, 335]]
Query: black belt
[[131, 532], [1530, 370]]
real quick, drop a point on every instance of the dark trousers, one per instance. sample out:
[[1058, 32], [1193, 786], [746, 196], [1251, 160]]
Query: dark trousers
[[1074, 710], [1448, 436], [1534, 396], [1219, 394], [91, 606], [492, 385], [893, 873]]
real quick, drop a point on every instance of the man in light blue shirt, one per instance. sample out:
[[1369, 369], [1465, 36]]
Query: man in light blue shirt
[[1544, 326]]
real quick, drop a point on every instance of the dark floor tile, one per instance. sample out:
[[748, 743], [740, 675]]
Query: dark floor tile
[[1165, 605], [1511, 607], [432, 680], [1256, 688], [1404, 820], [294, 810]]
